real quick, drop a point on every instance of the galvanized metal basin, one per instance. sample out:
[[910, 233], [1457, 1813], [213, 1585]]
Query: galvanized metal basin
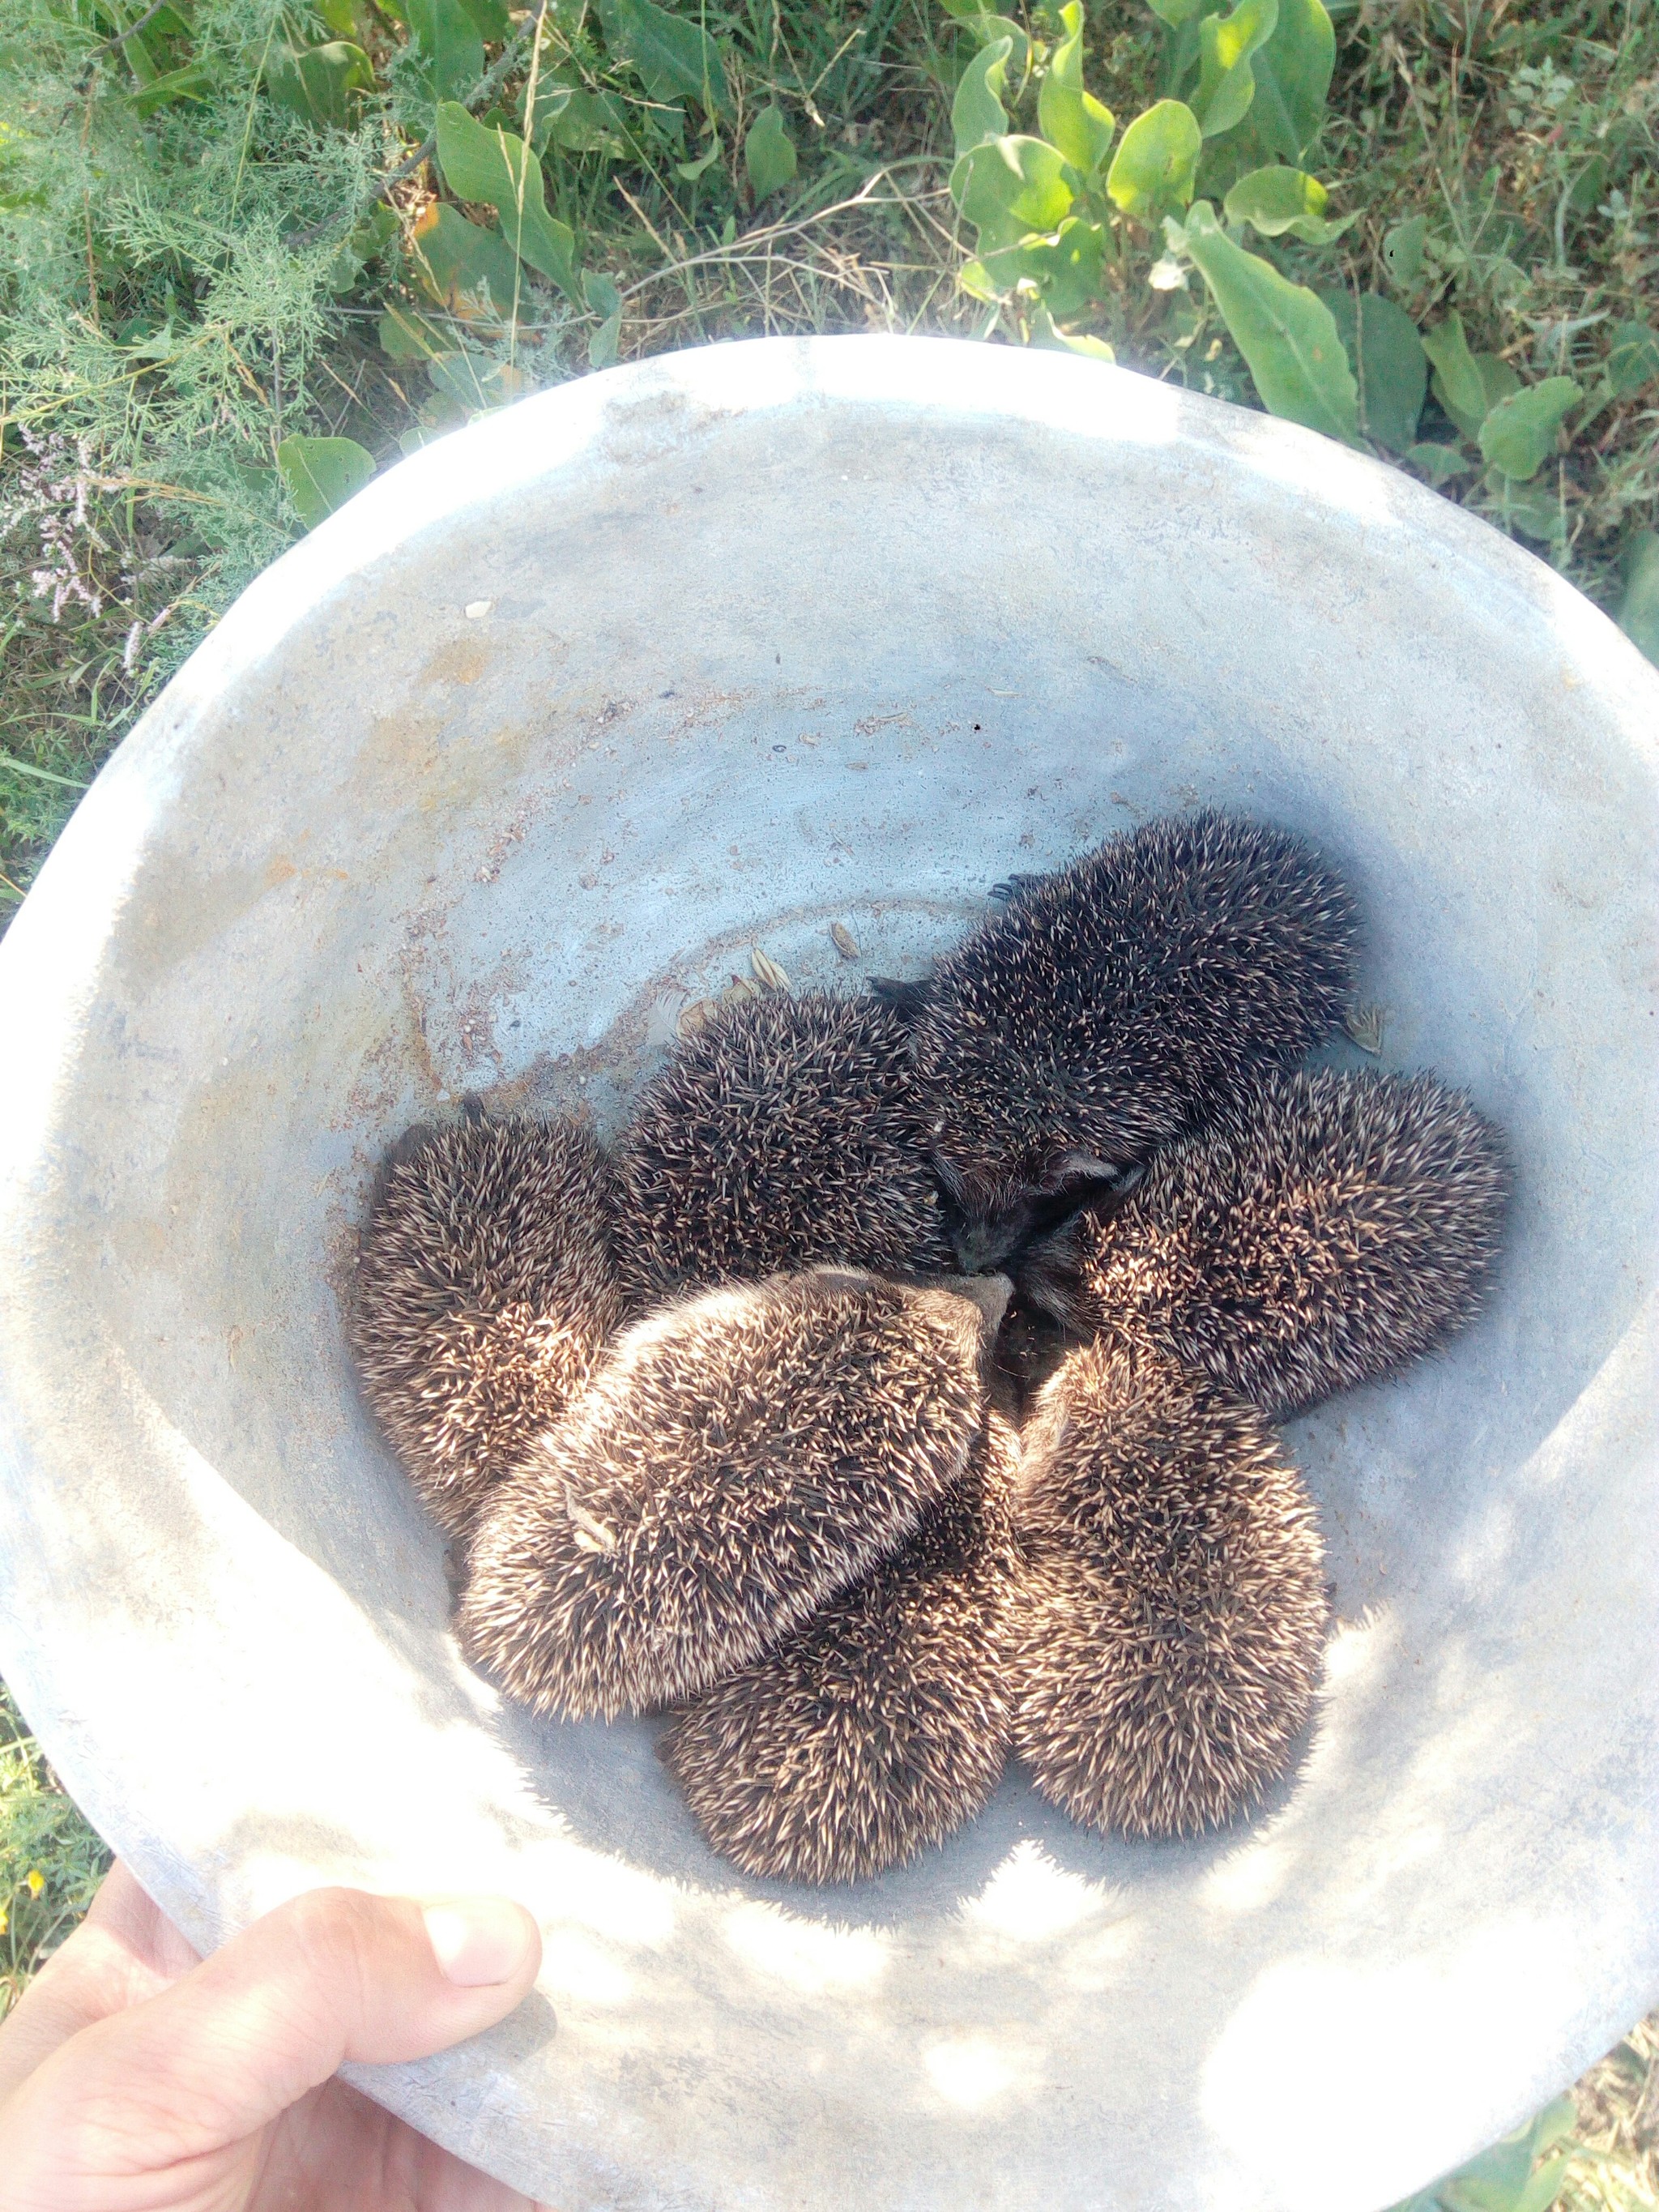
[[473, 790]]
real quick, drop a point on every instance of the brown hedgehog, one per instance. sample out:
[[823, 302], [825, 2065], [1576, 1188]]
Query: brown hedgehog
[[485, 1289], [785, 1132], [740, 1458], [882, 1724], [1116, 1004], [1172, 1609], [1324, 1229]]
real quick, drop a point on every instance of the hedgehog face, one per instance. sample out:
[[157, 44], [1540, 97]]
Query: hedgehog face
[[990, 1215]]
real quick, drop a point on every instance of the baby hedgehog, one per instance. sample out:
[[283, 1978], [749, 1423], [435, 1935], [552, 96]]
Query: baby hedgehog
[[1323, 1229], [485, 1289], [740, 1458], [1116, 1004], [787, 1132], [1172, 1609], [882, 1724]]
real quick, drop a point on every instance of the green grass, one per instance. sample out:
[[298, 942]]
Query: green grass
[[51, 1862]]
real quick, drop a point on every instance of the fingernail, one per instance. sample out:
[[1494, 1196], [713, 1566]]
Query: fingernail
[[478, 1941]]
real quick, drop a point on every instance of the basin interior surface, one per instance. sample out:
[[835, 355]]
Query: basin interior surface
[[473, 793]]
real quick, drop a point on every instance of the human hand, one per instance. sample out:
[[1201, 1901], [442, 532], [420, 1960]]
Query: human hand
[[135, 2078]]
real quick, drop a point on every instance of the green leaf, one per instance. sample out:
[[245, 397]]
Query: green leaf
[[1440, 463], [500, 169], [1288, 336], [1175, 13], [1458, 384], [676, 59], [1519, 434], [1402, 251], [406, 336], [987, 29], [768, 154], [605, 300], [1011, 187], [1277, 199], [1226, 83], [463, 265], [705, 161], [320, 474], [1044, 334], [1068, 116], [1381, 341], [447, 40], [1544, 2185], [976, 280], [1639, 610], [1632, 358], [490, 18], [977, 115], [195, 81], [1292, 74], [1067, 268], [477, 382], [318, 84], [1155, 161]]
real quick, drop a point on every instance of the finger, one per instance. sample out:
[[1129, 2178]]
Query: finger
[[123, 1951], [333, 1975]]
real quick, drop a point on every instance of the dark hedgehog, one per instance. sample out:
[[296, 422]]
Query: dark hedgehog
[[485, 1289], [1114, 1005], [788, 1132], [882, 1724], [740, 1458], [1325, 1229], [1171, 1610]]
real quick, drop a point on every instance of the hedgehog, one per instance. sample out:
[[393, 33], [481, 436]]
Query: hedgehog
[[485, 1289], [788, 1132], [741, 1456], [1324, 1229], [1171, 1608], [882, 1724], [1114, 1005]]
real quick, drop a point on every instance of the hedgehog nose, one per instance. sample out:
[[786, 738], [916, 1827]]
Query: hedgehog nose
[[982, 1246]]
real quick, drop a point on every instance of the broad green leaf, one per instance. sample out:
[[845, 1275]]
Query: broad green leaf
[[1155, 161], [195, 81], [583, 122], [1226, 83], [977, 115], [970, 11], [1402, 251], [675, 58], [1553, 2124], [407, 336], [1287, 335], [472, 271], [705, 161], [1381, 344], [987, 29], [318, 84], [1068, 116], [1632, 358], [1457, 381], [1067, 268], [341, 18], [605, 300], [1639, 610], [476, 381], [1440, 463], [500, 169], [1292, 74], [320, 474], [1277, 199], [363, 243], [1519, 433], [1175, 13], [449, 49], [977, 281], [1544, 2185], [769, 153], [491, 19], [1010, 188], [552, 101], [1044, 334]]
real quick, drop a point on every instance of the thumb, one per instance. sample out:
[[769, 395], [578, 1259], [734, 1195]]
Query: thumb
[[333, 1975]]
